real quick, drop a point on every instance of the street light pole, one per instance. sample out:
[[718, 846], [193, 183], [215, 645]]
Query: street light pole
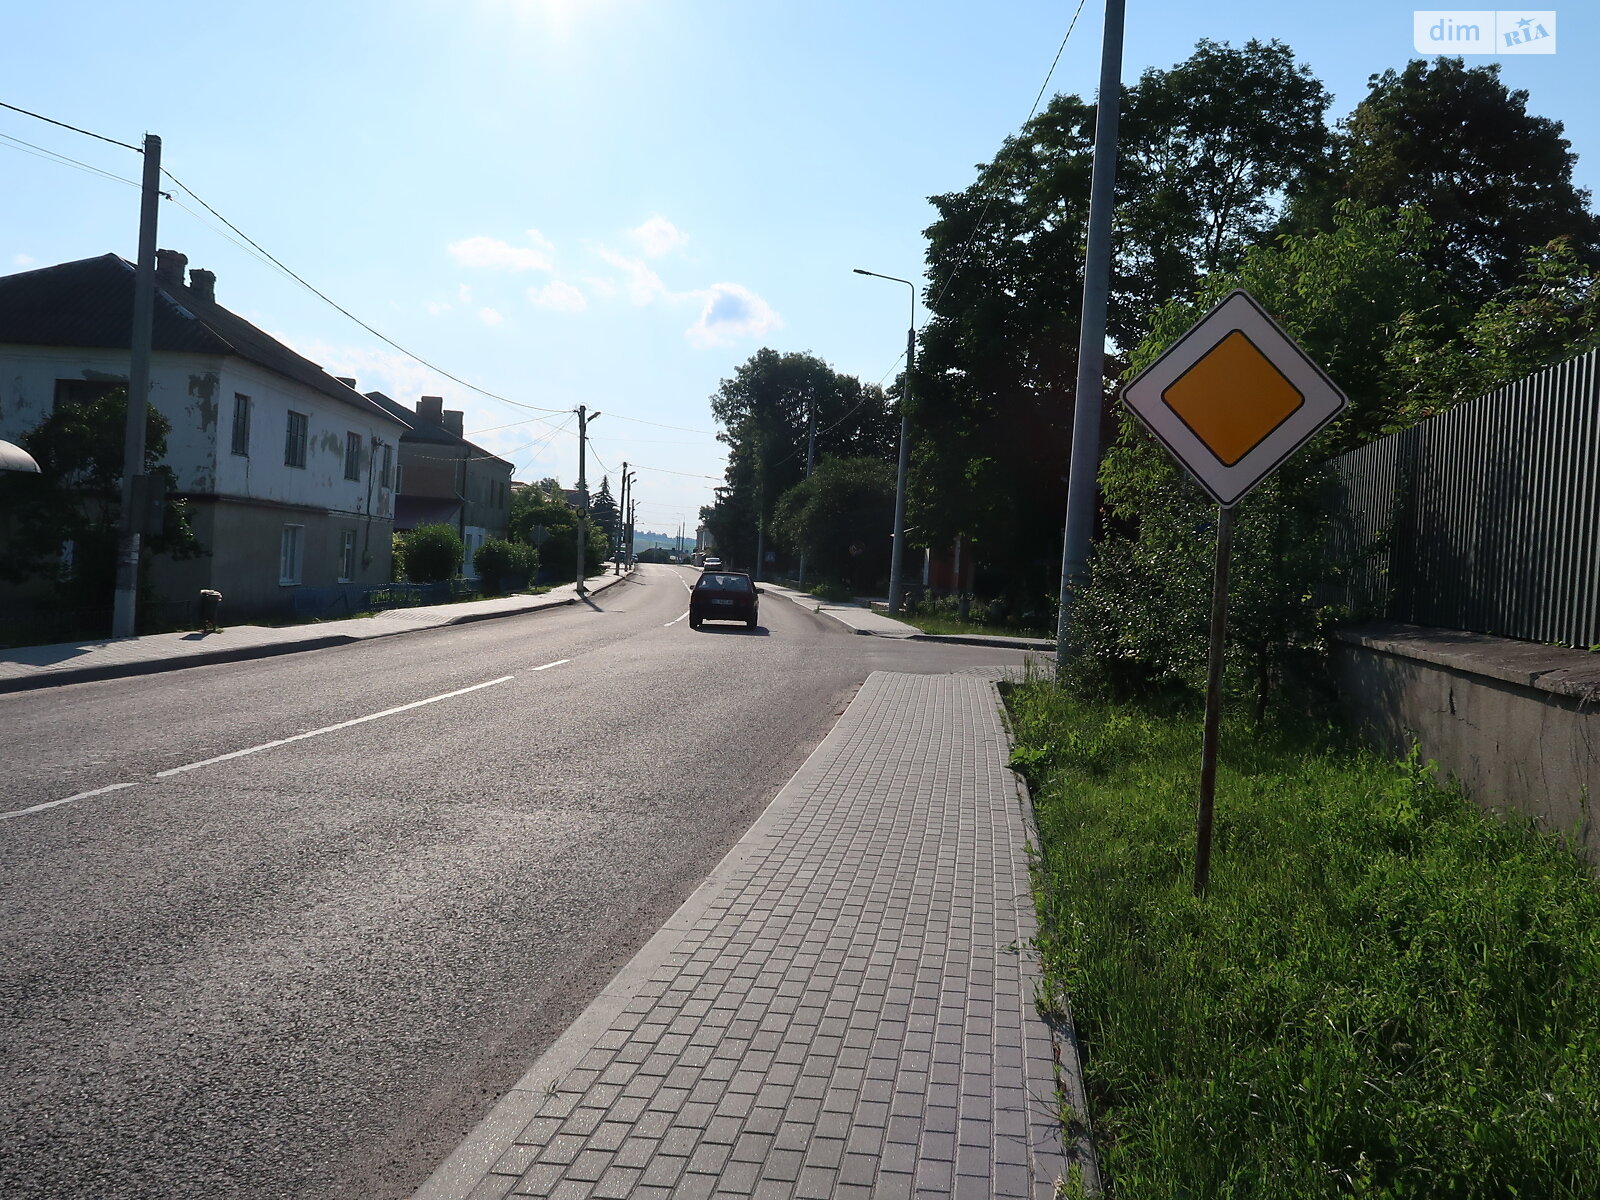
[[897, 556]]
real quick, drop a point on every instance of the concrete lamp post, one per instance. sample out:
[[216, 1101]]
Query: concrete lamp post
[[897, 556]]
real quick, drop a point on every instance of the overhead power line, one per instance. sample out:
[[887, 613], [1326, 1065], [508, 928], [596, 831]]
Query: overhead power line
[[340, 308], [966, 248], [86, 133], [233, 233], [52, 156]]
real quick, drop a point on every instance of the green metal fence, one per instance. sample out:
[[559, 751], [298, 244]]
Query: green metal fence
[[1486, 518]]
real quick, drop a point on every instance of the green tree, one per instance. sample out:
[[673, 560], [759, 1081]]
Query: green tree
[[840, 518], [1211, 149], [604, 514], [505, 566], [1495, 180], [541, 517], [76, 500], [763, 410], [433, 553]]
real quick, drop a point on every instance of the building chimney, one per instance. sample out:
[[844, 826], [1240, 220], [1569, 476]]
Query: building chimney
[[203, 283], [431, 408], [348, 381], [452, 422], [170, 266]]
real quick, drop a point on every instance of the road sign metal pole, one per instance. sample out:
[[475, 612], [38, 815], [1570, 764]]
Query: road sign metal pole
[[1208, 747]]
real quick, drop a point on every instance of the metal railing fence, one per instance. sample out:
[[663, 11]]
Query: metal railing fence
[[1485, 518]]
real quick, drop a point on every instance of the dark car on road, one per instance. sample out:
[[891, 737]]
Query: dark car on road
[[723, 596]]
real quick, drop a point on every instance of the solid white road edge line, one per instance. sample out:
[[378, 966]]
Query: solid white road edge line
[[675, 620], [22, 812], [300, 737]]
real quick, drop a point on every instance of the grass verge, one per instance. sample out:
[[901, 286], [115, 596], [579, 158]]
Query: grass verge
[[953, 626], [1385, 993]]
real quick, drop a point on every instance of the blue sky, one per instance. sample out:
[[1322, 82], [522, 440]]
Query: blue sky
[[605, 202]]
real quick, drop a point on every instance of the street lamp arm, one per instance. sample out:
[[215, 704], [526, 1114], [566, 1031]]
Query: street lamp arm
[[897, 554]]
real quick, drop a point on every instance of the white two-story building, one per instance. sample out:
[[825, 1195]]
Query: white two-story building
[[289, 474]]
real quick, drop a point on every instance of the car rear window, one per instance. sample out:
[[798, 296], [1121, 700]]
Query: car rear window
[[723, 583]]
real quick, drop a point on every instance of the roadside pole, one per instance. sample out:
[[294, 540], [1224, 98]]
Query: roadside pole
[[1208, 742], [125, 602], [622, 519], [811, 454], [583, 492], [1090, 393]]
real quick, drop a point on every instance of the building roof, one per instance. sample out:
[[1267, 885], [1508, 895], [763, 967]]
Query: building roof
[[420, 429], [89, 303]]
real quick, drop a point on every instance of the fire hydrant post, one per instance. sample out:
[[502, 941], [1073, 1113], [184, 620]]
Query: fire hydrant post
[[210, 604]]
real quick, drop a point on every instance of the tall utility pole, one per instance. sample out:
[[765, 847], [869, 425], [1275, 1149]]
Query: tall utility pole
[[583, 490], [811, 454], [897, 556], [125, 603], [622, 518], [633, 506], [1090, 393]]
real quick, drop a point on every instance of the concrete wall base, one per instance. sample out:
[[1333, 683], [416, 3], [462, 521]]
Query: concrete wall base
[[1517, 724]]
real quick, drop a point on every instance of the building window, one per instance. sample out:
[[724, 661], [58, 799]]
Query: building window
[[352, 456], [347, 556], [387, 477], [294, 443], [241, 424], [290, 551], [80, 393]]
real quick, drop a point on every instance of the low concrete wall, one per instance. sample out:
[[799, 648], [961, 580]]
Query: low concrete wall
[[1516, 723]]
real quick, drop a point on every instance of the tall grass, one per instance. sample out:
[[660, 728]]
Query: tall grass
[[1385, 993]]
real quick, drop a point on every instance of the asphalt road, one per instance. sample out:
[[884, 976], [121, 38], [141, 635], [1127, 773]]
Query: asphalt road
[[278, 950]]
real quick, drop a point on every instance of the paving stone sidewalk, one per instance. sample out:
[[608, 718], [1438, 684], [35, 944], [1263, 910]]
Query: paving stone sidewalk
[[843, 1009]]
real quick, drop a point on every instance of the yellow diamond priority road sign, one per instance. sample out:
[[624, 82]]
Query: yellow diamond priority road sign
[[1233, 398]]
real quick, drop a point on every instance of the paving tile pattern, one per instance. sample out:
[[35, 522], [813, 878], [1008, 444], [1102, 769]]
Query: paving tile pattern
[[847, 1013]]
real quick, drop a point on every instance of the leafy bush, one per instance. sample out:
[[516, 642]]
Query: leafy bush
[[504, 566], [433, 553], [833, 593]]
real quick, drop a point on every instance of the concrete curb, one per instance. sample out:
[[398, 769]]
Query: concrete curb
[[55, 677], [1077, 1134], [46, 677]]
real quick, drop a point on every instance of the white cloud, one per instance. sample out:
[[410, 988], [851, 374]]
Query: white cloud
[[437, 307], [562, 297], [490, 317], [24, 260], [731, 312], [464, 294], [643, 285], [657, 236], [493, 254]]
